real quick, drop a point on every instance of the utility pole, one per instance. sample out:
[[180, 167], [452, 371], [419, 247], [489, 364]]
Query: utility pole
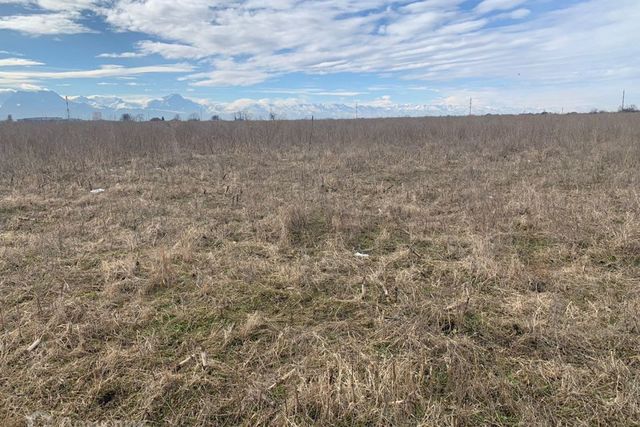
[[66, 99], [311, 135], [470, 105], [623, 94], [356, 110]]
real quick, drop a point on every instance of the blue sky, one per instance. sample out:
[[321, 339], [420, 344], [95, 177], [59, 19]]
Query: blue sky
[[510, 55]]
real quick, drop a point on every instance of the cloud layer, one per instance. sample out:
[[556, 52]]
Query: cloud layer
[[246, 42]]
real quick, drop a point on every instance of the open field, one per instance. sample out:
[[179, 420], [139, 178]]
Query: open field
[[215, 280]]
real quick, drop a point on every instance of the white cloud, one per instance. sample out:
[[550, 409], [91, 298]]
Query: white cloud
[[51, 17], [234, 76], [247, 42], [170, 50], [13, 86], [341, 93], [44, 23], [30, 87], [244, 42], [166, 50], [515, 14], [55, 5], [65, 4], [383, 101], [16, 62], [409, 25], [314, 92], [493, 5], [105, 71], [121, 55]]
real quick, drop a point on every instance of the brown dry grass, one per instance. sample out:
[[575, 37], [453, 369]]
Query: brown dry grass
[[215, 282]]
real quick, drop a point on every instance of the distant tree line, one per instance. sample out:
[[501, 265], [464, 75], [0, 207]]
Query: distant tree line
[[628, 109]]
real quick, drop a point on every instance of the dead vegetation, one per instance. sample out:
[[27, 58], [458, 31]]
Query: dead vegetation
[[215, 280]]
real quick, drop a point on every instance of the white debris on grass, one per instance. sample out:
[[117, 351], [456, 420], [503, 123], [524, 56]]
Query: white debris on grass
[[97, 190], [361, 255], [35, 344]]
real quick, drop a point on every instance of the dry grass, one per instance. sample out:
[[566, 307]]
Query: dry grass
[[215, 281]]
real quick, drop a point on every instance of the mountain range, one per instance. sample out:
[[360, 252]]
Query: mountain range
[[45, 103]]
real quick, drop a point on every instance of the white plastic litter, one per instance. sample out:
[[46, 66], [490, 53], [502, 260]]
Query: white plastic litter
[[97, 190], [361, 255]]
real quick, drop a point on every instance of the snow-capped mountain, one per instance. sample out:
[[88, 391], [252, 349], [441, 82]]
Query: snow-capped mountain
[[42, 103], [45, 103], [175, 103], [105, 102]]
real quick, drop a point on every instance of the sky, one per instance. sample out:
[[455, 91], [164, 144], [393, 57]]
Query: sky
[[510, 55]]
